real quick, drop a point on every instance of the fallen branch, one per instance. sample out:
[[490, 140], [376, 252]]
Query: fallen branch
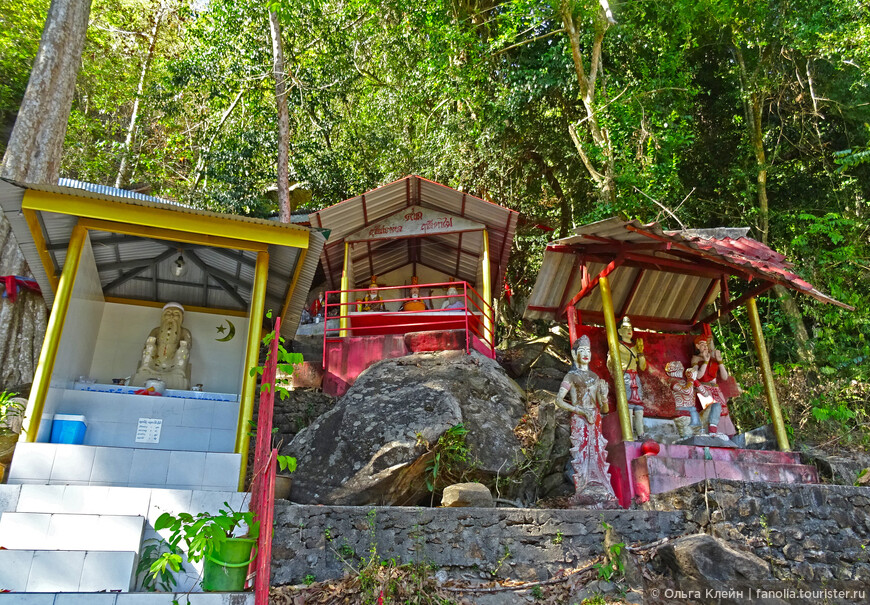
[[525, 585]]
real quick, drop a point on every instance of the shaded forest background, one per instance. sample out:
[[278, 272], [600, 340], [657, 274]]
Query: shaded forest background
[[700, 113]]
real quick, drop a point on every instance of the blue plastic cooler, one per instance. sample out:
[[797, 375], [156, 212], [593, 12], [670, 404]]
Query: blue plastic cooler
[[68, 428]]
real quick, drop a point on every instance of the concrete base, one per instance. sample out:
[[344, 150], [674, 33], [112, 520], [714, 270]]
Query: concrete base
[[707, 441], [635, 477]]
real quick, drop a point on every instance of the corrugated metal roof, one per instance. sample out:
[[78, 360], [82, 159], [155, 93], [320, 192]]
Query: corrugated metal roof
[[214, 277], [351, 215], [102, 192], [662, 276]]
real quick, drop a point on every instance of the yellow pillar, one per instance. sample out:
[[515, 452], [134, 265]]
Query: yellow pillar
[[613, 347], [53, 332], [252, 358], [345, 308], [487, 290], [767, 377]]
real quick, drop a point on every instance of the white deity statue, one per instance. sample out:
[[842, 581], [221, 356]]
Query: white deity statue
[[166, 354]]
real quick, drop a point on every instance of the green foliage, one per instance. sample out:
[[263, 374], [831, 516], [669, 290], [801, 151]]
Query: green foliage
[[161, 581], [450, 450], [287, 464], [286, 364], [200, 534], [309, 579], [612, 567], [10, 411]]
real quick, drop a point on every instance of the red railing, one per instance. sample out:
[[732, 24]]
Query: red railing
[[263, 483], [475, 315]]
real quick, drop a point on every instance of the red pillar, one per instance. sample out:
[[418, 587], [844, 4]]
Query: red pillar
[[573, 323]]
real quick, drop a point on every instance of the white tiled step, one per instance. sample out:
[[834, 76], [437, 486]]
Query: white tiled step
[[129, 598], [59, 463], [42, 531], [66, 571]]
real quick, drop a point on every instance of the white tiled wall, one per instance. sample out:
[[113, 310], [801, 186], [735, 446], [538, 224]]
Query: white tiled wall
[[71, 503], [188, 424], [53, 463], [76, 348], [42, 571]]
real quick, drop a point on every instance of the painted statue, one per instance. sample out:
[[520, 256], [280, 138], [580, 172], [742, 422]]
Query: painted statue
[[166, 354], [631, 362], [372, 301], [710, 369], [588, 402], [415, 304], [686, 390]]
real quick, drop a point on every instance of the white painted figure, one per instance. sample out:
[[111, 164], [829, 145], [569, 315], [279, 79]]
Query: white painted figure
[[166, 354]]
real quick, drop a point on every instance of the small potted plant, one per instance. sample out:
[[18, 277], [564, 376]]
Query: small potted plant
[[283, 482], [11, 413], [210, 537]]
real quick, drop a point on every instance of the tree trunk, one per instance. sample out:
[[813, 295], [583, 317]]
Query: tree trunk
[[33, 156], [283, 120], [124, 168], [753, 101], [603, 178], [36, 144], [203, 153]]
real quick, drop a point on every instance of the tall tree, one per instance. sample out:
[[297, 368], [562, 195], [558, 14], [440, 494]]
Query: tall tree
[[283, 116], [124, 167], [35, 147], [33, 155]]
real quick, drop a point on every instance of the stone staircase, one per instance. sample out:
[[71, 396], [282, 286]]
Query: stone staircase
[[64, 544]]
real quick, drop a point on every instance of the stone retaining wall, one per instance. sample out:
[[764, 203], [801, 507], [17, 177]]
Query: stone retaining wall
[[526, 544], [811, 532]]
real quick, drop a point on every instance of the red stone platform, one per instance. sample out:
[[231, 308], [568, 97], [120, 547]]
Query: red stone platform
[[346, 358], [678, 465]]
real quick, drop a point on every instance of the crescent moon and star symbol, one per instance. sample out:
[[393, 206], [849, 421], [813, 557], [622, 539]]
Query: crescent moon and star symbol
[[229, 335]]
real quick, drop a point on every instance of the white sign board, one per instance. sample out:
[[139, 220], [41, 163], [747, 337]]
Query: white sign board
[[412, 222], [148, 430]]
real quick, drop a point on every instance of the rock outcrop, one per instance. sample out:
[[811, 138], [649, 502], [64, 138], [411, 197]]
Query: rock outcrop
[[704, 558], [375, 446]]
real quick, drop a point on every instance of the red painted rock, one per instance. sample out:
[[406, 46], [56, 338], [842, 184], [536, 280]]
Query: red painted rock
[[435, 340], [649, 447]]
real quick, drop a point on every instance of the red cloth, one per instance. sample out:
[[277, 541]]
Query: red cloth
[[316, 308], [13, 282], [710, 374]]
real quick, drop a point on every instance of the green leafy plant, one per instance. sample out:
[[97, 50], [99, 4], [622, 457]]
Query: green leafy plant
[[10, 412], [612, 567], [309, 579], [287, 363], [164, 580], [449, 451], [286, 464], [558, 538], [201, 535]]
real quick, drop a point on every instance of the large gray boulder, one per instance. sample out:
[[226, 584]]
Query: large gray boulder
[[703, 558], [371, 448]]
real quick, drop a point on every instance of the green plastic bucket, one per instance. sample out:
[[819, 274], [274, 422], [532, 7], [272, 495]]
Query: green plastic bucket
[[226, 567]]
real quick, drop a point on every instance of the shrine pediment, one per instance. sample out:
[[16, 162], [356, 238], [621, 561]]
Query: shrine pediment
[[414, 221]]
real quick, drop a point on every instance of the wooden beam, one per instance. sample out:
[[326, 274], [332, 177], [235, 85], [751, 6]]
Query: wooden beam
[[172, 235], [223, 279], [594, 283], [704, 301], [125, 277]]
